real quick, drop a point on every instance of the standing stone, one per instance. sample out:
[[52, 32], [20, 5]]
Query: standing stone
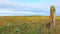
[[52, 16]]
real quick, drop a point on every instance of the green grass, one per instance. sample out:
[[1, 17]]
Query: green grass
[[27, 25]]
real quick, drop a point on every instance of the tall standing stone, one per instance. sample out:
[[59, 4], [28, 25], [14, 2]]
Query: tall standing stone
[[52, 16]]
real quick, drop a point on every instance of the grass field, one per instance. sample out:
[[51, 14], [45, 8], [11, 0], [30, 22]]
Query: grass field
[[27, 25]]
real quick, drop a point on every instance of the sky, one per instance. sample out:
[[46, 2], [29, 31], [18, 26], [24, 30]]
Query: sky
[[28, 7]]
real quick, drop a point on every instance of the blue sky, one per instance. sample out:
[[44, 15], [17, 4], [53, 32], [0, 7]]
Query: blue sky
[[28, 7]]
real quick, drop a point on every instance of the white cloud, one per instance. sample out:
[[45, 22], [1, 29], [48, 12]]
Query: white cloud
[[14, 13], [18, 5], [10, 5], [18, 13], [8, 11]]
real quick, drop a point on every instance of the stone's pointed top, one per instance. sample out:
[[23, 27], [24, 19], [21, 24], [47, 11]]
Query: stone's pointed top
[[52, 5], [52, 8]]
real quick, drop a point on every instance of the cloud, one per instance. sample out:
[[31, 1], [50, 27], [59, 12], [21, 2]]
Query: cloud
[[14, 13], [19, 13], [8, 11], [12, 7], [21, 5]]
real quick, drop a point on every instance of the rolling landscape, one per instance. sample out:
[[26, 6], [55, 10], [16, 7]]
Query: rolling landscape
[[28, 25]]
